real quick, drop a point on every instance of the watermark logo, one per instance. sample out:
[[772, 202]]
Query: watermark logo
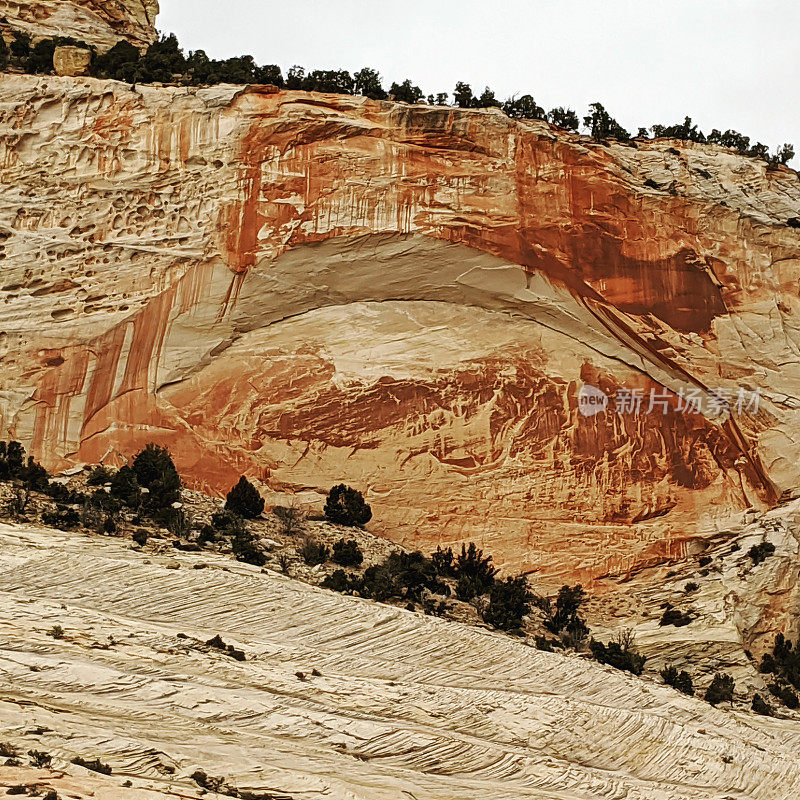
[[711, 403], [591, 400]]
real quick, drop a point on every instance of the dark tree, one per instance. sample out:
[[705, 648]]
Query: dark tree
[[346, 506], [3, 53], [761, 552], [761, 706], [329, 81], [20, 47], [295, 77], [35, 476], [402, 575], [564, 614], [244, 500], [509, 602], [12, 460], [347, 553], [126, 488], [40, 60], [444, 562], [524, 107], [621, 653], [156, 472], [405, 92], [245, 549], [119, 63], [474, 571], [784, 155], [602, 125], [463, 96], [720, 690], [487, 100], [163, 60], [99, 476], [441, 98], [269, 73], [564, 118], [368, 84], [314, 553], [686, 131]]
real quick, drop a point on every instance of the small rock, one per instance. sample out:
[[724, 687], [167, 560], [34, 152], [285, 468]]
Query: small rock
[[172, 565]]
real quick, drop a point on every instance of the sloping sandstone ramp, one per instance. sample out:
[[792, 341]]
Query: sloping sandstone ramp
[[405, 706]]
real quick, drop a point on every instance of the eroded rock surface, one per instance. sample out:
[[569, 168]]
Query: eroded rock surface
[[312, 289], [401, 705], [101, 23]]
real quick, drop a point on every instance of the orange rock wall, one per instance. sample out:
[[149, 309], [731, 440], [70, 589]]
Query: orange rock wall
[[313, 288]]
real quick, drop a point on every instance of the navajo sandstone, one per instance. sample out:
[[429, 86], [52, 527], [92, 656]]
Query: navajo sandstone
[[403, 705], [315, 288]]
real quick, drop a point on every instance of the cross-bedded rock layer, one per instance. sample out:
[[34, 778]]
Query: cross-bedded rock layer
[[312, 288], [101, 23]]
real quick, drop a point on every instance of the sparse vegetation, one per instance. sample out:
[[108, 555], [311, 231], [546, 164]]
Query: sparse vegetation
[[245, 548], [620, 653], [314, 553], [96, 765], [563, 617], [216, 643], [57, 632], [682, 681], [40, 759], [784, 664], [63, 518], [290, 517]]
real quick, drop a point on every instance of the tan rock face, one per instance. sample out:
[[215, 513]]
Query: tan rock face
[[101, 23], [72, 62], [313, 289]]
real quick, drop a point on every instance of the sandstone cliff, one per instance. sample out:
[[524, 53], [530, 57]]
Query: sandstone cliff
[[101, 23], [313, 288]]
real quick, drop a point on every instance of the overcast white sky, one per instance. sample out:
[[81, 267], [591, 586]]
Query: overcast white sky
[[726, 63]]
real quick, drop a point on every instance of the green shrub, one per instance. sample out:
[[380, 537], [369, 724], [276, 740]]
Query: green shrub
[[784, 661], [563, 617], [40, 60], [65, 519], [691, 586], [155, 471], [444, 562], [720, 690], [785, 694], [95, 765], [347, 553], [99, 476], [474, 571], [761, 706], [140, 536], [346, 506], [244, 500], [40, 759], [3, 53], [401, 575], [104, 501], [676, 617], [761, 552], [12, 460], [245, 549], [603, 126], [682, 681], [339, 581], [314, 553], [509, 602], [620, 653]]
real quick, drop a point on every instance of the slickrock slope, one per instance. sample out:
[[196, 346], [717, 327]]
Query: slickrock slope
[[403, 705], [98, 22], [311, 288]]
